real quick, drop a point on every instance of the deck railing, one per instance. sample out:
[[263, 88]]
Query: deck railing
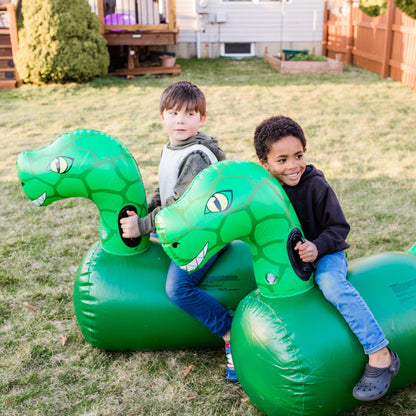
[[135, 15]]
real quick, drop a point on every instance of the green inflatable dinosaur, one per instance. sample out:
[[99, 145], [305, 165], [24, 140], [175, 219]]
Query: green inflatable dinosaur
[[119, 290], [293, 352]]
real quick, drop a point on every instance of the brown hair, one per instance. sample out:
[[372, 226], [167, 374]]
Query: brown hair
[[180, 94]]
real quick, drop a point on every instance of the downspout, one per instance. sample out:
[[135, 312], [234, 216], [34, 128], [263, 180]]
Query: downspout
[[198, 37]]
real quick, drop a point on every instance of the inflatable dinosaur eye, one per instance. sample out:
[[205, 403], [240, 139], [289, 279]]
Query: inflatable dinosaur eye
[[219, 202], [61, 164]]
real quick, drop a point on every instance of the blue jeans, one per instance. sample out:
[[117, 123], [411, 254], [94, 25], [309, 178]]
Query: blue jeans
[[330, 276], [182, 289]]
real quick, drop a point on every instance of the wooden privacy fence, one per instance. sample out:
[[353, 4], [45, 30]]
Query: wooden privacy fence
[[385, 44]]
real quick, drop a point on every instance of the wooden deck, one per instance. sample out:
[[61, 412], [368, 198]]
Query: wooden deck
[[138, 32], [141, 38], [135, 25]]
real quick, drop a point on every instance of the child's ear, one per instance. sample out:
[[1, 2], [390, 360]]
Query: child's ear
[[162, 118], [264, 164], [203, 118]]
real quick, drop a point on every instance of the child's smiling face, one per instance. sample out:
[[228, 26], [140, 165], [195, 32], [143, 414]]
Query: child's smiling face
[[286, 160]]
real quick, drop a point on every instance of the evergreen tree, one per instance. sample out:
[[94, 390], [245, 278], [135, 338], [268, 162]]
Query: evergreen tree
[[60, 41]]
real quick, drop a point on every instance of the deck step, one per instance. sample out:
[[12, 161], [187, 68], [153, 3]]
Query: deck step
[[7, 84], [7, 63], [9, 77]]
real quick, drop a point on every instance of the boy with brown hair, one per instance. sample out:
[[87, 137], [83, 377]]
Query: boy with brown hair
[[182, 111]]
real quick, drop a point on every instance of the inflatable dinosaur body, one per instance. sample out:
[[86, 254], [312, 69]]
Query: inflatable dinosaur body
[[293, 352]]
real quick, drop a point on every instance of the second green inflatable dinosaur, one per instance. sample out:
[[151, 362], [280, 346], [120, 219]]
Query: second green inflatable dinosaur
[[293, 352]]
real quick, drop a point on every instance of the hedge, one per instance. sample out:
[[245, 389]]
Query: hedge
[[60, 41]]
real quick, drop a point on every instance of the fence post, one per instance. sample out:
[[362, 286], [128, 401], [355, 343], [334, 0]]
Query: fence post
[[325, 34], [385, 69], [350, 38]]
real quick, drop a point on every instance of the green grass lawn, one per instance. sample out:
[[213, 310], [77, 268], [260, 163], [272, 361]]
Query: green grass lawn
[[361, 133]]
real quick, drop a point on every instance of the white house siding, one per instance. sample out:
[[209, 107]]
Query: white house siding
[[186, 19], [300, 26]]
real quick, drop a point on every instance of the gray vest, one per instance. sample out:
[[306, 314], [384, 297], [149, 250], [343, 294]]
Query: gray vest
[[169, 167]]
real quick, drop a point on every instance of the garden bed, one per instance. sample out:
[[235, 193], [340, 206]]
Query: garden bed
[[298, 67]]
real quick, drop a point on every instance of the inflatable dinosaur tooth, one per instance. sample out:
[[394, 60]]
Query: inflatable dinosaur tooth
[[119, 289], [293, 352]]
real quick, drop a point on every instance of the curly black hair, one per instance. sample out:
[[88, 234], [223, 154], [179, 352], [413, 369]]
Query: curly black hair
[[274, 129]]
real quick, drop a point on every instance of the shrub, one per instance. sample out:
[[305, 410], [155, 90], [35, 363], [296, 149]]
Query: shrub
[[407, 6], [373, 7], [60, 41], [378, 7], [308, 57]]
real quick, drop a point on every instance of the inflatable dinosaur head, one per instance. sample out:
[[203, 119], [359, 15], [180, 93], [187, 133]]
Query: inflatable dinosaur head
[[90, 164], [237, 200]]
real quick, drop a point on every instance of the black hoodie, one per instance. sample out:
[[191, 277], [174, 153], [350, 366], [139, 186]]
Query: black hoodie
[[319, 212]]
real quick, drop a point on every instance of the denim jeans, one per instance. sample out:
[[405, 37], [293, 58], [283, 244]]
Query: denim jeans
[[330, 276], [182, 289]]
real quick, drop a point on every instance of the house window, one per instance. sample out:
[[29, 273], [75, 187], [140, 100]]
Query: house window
[[237, 50]]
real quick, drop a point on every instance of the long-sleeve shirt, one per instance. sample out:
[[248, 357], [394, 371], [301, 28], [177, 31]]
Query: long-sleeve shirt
[[319, 212]]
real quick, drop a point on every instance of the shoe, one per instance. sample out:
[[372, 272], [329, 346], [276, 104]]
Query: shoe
[[375, 382], [230, 374]]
